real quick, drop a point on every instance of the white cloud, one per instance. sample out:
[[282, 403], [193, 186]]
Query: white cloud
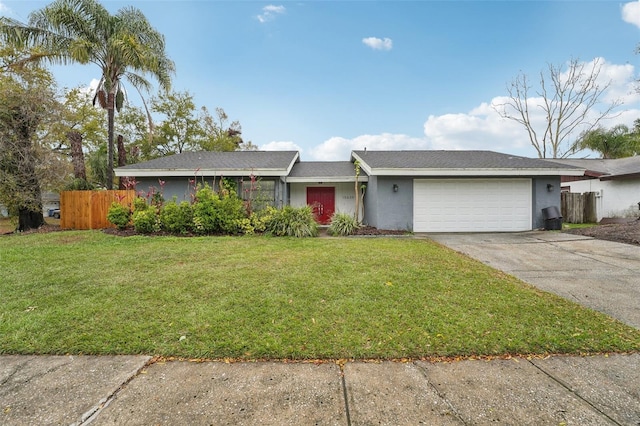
[[378, 43], [631, 13], [91, 88], [621, 80], [339, 148], [270, 12], [280, 146], [480, 129]]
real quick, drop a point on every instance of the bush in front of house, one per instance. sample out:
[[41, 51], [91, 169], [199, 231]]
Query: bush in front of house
[[292, 222], [119, 215], [146, 221], [343, 224], [139, 204], [217, 214], [176, 218]]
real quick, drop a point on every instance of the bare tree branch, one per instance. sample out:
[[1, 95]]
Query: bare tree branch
[[570, 100]]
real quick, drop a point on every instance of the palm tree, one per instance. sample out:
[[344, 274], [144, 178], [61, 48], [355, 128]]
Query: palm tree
[[124, 46], [617, 142]]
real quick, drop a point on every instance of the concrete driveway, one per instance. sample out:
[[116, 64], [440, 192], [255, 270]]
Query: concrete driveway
[[601, 275]]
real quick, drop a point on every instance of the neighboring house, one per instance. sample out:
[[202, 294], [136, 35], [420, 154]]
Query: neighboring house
[[421, 191], [616, 183], [50, 202]]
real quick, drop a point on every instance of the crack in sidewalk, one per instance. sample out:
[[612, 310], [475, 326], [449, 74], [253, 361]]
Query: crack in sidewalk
[[95, 411]]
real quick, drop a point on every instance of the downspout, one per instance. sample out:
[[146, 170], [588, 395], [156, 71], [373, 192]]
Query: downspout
[[284, 192]]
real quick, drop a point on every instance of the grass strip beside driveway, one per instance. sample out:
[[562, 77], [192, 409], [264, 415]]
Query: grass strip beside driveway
[[85, 292]]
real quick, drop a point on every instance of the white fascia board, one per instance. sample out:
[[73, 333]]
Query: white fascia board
[[200, 172], [363, 165], [475, 172], [293, 162], [325, 179]]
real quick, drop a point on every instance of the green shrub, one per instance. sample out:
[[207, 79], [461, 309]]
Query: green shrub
[[214, 214], [231, 211], [205, 211], [119, 215], [139, 204], [176, 218], [343, 224], [145, 221], [293, 222]]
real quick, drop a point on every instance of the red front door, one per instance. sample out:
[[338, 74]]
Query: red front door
[[323, 201]]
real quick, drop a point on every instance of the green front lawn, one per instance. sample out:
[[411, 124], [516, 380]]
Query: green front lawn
[[258, 297]]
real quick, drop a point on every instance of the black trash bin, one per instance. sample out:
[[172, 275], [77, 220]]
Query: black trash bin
[[552, 218]]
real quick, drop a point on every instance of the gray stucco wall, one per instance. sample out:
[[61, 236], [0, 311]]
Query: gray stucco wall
[[178, 187], [386, 209], [542, 197], [182, 189]]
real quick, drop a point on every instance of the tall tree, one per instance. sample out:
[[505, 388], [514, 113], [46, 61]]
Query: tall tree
[[76, 127], [124, 46], [218, 133], [180, 130], [617, 142], [568, 97], [26, 95]]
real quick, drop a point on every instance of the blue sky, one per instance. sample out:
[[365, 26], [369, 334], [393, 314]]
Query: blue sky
[[326, 77]]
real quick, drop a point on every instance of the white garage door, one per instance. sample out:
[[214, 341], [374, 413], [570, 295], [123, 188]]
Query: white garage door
[[471, 205]]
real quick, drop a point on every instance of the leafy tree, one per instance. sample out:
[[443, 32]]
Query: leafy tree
[[124, 46], [617, 142], [568, 98], [180, 130], [133, 125], [26, 95], [218, 133], [76, 127]]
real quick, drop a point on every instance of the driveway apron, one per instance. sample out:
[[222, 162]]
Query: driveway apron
[[601, 275]]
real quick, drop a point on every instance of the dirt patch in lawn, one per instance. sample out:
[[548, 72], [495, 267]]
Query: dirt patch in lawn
[[628, 233]]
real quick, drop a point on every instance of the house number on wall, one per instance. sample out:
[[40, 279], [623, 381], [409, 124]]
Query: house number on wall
[[348, 197]]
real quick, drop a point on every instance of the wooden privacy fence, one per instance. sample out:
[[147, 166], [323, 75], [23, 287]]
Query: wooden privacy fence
[[578, 208], [88, 209]]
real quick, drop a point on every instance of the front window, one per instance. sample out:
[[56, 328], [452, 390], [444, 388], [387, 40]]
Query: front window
[[258, 193]]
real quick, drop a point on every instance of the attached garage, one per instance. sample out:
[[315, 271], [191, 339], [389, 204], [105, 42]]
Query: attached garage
[[472, 205]]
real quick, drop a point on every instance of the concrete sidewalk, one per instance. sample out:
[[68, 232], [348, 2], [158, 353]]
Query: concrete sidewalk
[[126, 390]]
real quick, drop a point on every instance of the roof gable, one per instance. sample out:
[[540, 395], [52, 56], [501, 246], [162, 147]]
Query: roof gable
[[324, 171]]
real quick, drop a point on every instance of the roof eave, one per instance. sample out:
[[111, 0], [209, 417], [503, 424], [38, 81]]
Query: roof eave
[[621, 176], [475, 172], [324, 179], [199, 172]]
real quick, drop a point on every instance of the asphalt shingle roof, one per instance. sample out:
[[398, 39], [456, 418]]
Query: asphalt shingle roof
[[452, 160], [219, 161], [611, 167]]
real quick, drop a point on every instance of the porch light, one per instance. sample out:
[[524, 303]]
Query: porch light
[[395, 187], [550, 187]]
